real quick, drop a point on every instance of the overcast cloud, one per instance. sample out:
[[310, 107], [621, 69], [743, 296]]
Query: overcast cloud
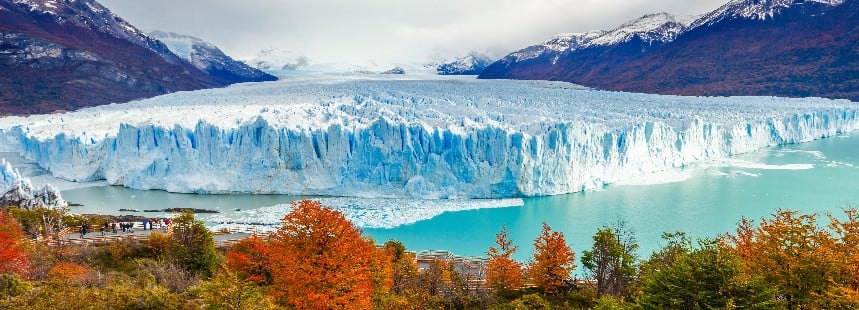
[[387, 31]]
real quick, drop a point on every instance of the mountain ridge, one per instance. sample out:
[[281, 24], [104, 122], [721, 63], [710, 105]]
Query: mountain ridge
[[60, 55], [210, 59], [790, 48]]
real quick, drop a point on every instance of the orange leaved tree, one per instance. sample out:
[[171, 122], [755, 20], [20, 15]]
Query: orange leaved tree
[[319, 260], [249, 257], [70, 272], [792, 252], [13, 254], [553, 261], [847, 255], [502, 271]]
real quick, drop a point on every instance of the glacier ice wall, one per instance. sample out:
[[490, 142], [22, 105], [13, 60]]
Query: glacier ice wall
[[407, 154], [400, 160]]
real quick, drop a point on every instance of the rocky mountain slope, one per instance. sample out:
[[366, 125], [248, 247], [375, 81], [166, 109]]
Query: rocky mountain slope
[[67, 54], [210, 59], [789, 48]]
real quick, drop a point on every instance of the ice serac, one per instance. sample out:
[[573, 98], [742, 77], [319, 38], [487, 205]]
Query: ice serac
[[440, 138], [16, 190]]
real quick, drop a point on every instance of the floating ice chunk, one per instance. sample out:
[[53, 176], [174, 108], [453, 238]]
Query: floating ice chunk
[[739, 163], [365, 213]]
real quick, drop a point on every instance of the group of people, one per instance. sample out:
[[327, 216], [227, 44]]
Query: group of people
[[156, 223], [126, 227]]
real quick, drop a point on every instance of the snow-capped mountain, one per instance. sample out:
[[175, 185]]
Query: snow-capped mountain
[[88, 14], [745, 47], [67, 54], [756, 10], [210, 59], [651, 29], [472, 64], [277, 59]]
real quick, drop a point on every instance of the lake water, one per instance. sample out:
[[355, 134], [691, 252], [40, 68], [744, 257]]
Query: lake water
[[703, 200]]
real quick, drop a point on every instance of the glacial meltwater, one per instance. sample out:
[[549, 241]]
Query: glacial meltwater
[[704, 200]]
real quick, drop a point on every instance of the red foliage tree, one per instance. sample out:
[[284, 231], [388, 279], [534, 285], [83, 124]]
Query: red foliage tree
[[319, 260], [249, 257], [553, 261], [13, 254]]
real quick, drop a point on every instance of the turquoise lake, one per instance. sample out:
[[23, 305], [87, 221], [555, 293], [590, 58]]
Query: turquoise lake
[[704, 200], [820, 176]]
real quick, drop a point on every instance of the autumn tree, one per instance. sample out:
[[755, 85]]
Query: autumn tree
[[249, 259], [230, 289], [706, 277], [503, 273], [319, 260], [42, 220], [553, 261], [791, 251], [13, 254], [382, 264], [846, 255], [194, 246], [70, 272], [407, 290], [611, 261], [404, 267]]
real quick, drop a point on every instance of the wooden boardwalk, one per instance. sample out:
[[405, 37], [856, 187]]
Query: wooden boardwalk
[[222, 238]]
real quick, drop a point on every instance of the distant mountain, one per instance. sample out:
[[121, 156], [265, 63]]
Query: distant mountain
[[593, 50], [278, 59], [68, 54], [793, 48], [210, 59], [472, 64]]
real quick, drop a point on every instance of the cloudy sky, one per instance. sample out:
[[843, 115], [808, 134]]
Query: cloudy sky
[[387, 31]]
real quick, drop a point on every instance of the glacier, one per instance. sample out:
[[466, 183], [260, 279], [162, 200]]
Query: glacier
[[425, 137]]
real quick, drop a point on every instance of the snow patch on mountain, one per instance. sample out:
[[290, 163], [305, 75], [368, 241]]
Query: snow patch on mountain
[[182, 45], [564, 42], [661, 27], [754, 9], [651, 28], [408, 136], [210, 59]]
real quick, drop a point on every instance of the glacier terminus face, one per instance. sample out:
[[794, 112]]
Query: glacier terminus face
[[408, 137]]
